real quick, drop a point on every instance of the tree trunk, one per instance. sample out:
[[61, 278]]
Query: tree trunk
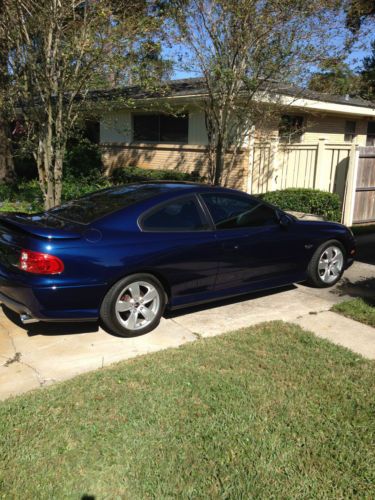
[[6, 158], [219, 157], [58, 173]]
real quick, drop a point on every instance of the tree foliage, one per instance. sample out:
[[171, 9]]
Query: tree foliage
[[357, 11], [336, 77], [368, 75], [243, 48], [58, 51]]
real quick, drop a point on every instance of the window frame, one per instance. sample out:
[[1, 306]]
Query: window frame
[[350, 136], [159, 141], [277, 212], [370, 136], [288, 138], [207, 222]]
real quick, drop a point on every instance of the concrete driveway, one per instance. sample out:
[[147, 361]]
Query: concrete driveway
[[41, 354]]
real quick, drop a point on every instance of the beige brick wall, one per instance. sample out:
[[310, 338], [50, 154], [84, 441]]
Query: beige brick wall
[[171, 156], [332, 128]]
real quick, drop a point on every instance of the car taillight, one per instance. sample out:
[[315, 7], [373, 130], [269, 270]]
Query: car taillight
[[40, 263]]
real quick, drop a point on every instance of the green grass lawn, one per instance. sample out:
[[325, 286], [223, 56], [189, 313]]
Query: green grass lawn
[[266, 412], [357, 309]]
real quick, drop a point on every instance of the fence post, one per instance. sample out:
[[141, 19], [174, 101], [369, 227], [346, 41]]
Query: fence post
[[319, 164], [350, 187]]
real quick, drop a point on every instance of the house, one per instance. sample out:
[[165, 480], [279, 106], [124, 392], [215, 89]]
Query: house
[[310, 145]]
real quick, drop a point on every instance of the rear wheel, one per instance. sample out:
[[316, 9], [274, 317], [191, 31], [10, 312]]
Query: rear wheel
[[327, 264], [133, 306]]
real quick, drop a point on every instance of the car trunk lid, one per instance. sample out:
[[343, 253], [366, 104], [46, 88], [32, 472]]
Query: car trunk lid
[[16, 230]]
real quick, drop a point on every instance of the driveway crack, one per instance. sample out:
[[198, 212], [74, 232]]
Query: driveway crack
[[198, 336]]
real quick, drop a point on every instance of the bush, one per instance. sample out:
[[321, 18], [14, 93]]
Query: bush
[[26, 196], [135, 174], [312, 201], [83, 159]]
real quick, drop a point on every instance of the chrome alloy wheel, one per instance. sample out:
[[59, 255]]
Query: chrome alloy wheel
[[137, 305], [331, 263]]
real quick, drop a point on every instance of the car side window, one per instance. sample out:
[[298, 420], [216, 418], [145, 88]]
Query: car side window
[[177, 215], [231, 211]]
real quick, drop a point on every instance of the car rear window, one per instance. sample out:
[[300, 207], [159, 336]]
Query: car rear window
[[96, 205]]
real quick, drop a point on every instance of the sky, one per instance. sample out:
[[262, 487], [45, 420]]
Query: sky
[[359, 50]]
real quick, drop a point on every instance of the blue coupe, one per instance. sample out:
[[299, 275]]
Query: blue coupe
[[124, 254]]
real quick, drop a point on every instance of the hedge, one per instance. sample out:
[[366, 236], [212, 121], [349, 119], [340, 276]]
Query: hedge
[[311, 201], [135, 174], [25, 195]]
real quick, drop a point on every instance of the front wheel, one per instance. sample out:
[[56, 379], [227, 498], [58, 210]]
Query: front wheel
[[133, 306], [327, 265]]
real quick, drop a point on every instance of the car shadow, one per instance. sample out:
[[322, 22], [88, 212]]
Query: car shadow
[[54, 329]]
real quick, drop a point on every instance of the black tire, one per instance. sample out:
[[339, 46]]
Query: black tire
[[314, 277], [114, 320]]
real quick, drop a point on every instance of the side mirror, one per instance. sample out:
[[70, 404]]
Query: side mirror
[[284, 220]]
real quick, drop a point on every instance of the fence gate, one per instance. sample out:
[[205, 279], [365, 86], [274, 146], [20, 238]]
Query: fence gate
[[364, 205]]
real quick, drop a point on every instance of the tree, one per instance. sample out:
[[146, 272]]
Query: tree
[[60, 49], [6, 159], [336, 77], [368, 75], [357, 11], [244, 49]]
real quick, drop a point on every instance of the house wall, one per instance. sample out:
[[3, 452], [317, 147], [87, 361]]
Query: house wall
[[319, 161], [116, 127], [183, 158], [332, 128]]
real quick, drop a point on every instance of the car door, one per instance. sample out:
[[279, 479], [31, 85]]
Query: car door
[[254, 247], [182, 247]]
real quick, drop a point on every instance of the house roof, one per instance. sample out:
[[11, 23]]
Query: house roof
[[190, 87]]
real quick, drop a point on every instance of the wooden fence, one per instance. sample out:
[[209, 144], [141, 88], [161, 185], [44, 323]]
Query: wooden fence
[[320, 165]]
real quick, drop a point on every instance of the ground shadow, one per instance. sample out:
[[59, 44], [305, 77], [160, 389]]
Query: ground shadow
[[71, 328], [52, 329], [363, 288]]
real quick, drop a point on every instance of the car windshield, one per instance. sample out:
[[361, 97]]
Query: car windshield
[[96, 205]]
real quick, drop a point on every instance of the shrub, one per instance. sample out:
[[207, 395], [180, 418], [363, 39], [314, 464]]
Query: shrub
[[26, 196], [313, 201], [72, 189], [83, 159], [135, 174]]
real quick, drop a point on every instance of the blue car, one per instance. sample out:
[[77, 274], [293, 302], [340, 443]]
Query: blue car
[[125, 254]]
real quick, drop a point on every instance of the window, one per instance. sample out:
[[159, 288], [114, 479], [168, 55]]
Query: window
[[160, 128], [231, 212], [177, 215], [350, 132], [370, 134], [291, 128], [101, 203]]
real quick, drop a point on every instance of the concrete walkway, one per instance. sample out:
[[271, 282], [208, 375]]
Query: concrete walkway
[[47, 353]]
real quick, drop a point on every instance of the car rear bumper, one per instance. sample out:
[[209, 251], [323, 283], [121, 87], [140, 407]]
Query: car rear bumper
[[14, 305], [51, 302]]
